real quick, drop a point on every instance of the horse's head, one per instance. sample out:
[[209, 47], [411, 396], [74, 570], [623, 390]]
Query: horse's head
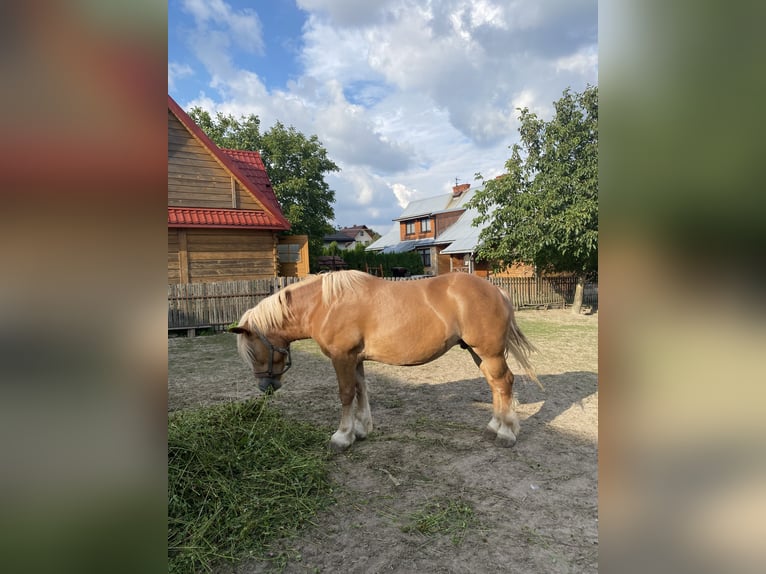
[[268, 361]]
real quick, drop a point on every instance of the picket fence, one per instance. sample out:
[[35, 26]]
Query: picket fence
[[217, 305], [545, 292]]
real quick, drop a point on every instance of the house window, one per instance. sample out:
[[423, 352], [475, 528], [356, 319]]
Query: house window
[[409, 228], [289, 252], [425, 254], [425, 225]]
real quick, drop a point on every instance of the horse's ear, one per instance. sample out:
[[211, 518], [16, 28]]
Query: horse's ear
[[238, 330]]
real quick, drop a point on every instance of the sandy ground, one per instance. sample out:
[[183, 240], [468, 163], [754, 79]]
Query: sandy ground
[[532, 508]]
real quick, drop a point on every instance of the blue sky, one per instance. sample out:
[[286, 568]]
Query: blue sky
[[406, 95]]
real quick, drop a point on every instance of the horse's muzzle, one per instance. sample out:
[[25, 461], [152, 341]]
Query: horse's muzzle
[[269, 384]]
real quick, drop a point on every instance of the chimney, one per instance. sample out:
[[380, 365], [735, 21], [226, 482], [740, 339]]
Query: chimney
[[458, 190]]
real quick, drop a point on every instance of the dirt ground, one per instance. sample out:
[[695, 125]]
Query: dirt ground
[[532, 508]]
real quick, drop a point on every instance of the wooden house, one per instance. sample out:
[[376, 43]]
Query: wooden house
[[441, 230], [420, 226], [223, 217]]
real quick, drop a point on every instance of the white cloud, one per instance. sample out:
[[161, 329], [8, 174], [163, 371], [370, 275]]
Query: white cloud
[[348, 12], [403, 194], [584, 62], [242, 26], [177, 71], [405, 95]]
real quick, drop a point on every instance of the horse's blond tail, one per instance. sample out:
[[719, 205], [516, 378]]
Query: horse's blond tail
[[518, 345]]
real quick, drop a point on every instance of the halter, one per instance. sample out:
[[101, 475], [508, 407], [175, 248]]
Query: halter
[[284, 350]]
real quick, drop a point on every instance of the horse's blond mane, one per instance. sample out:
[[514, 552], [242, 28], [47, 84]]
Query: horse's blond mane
[[273, 311], [335, 284]]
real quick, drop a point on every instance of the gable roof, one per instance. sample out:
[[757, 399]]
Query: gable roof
[[462, 236], [338, 238], [251, 165], [438, 204], [353, 230], [245, 166], [388, 239]]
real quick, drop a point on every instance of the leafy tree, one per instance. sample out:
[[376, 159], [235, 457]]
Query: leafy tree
[[544, 210], [296, 166], [228, 132]]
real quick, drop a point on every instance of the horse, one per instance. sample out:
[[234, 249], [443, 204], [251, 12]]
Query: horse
[[355, 317]]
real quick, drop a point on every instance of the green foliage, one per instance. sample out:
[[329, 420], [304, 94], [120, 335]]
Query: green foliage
[[358, 258], [544, 210], [227, 131], [239, 477], [296, 166]]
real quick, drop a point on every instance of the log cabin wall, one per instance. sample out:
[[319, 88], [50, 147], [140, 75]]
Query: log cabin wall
[[220, 255], [196, 179], [174, 266]]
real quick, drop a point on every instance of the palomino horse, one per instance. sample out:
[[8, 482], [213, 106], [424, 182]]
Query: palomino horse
[[356, 317]]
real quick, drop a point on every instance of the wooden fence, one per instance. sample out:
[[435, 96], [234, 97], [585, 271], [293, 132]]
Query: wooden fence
[[217, 305], [547, 292]]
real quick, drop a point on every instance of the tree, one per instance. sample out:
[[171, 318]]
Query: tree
[[228, 132], [544, 210], [296, 166]]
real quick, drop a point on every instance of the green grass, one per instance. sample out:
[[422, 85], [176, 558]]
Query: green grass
[[533, 328], [239, 477], [444, 517]]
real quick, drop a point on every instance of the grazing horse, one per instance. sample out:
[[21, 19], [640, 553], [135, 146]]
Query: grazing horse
[[356, 317]]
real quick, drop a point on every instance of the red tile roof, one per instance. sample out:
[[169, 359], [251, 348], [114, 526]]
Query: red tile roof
[[246, 166], [221, 218], [251, 165]]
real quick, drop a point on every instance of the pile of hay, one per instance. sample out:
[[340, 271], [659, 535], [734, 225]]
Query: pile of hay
[[239, 476]]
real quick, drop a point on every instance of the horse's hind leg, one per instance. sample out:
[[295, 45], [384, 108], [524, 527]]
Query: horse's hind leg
[[514, 401], [362, 415], [505, 422]]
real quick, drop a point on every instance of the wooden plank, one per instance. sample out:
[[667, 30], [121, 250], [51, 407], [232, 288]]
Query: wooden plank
[[177, 163], [225, 269], [190, 191], [183, 257], [228, 239], [197, 171], [200, 256]]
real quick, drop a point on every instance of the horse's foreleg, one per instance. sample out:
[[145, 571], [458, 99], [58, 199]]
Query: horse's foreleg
[[505, 422], [362, 415], [347, 385]]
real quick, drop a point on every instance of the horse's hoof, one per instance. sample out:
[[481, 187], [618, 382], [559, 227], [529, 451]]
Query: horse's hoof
[[505, 440], [338, 448], [339, 443]]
